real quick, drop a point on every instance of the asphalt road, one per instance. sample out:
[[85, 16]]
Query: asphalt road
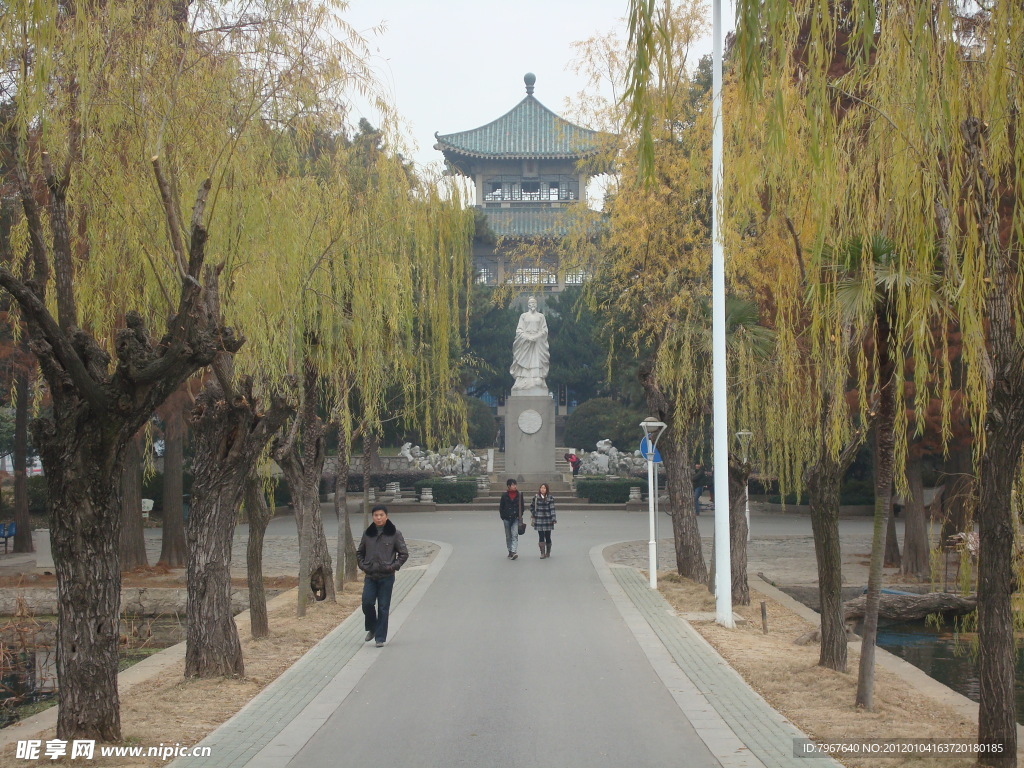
[[524, 663]]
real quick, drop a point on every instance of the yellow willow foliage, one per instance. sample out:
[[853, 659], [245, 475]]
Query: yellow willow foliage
[[111, 86], [866, 115], [652, 266], [364, 279]]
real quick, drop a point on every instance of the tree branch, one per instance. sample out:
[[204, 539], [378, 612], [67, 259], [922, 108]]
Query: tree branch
[[170, 216], [36, 313]]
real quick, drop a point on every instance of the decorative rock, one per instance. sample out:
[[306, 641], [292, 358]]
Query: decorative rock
[[427, 495], [635, 493], [609, 460], [459, 460]]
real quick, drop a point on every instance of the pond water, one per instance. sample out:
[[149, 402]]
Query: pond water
[[945, 656]]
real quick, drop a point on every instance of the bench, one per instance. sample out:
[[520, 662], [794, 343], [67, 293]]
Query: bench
[[7, 532]]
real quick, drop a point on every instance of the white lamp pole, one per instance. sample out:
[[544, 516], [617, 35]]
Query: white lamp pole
[[723, 566], [652, 431]]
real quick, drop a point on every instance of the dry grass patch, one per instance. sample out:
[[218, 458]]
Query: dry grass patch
[[819, 701], [168, 709]]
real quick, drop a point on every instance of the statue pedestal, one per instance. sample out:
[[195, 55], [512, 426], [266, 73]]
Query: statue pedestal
[[530, 439]]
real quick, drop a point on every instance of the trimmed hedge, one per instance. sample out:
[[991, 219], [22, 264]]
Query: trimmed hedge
[[852, 493], [379, 480], [448, 491], [605, 491]]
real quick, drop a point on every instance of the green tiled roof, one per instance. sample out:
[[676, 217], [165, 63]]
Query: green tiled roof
[[525, 221], [530, 131]]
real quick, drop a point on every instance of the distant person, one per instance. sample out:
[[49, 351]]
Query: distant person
[[700, 479], [510, 509], [542, 516], [382, 551], [574, 463]]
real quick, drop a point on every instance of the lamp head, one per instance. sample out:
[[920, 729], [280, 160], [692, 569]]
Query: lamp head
[[744, 438], [652, 428]]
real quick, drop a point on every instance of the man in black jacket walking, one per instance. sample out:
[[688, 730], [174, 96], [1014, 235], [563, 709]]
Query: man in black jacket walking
[[510, 508], [382, 551]]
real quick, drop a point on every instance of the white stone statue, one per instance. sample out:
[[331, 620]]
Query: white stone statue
[[530, 356]]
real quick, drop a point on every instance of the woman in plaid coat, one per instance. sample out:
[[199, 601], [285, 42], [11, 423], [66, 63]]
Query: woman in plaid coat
[[542, 515]]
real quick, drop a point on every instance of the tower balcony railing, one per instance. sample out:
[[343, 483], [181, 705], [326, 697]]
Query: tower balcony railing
[[519, 196]]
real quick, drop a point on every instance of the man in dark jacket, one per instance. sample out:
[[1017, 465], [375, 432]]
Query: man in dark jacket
[[510, 508], [382, 551]]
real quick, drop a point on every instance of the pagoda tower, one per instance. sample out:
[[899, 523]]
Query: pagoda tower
[[525, 167]]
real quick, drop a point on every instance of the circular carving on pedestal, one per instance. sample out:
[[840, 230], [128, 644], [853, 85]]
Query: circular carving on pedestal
[[530, 421]]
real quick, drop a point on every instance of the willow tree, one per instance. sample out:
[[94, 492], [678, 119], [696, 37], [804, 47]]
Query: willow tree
[[812, 436], [376, 296], [109, 257], [919, 103], [657, 267], [648, 273]]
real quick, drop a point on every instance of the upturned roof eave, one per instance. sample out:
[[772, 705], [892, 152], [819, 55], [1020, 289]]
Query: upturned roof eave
[[459, 152]]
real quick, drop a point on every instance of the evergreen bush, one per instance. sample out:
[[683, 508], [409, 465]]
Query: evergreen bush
[[406, 479], [600, 491], [38, 497], [603, 418], [449, 491], [481, 428]]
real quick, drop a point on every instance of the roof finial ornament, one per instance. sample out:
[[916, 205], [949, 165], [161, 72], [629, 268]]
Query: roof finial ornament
[[529, 78]]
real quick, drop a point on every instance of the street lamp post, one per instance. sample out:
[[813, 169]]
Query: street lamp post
[[653, 429], [744, 437]]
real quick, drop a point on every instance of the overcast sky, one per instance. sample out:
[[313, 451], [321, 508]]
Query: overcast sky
[[452, 65]]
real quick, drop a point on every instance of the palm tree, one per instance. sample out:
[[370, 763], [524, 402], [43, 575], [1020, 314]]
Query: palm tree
[[869, 285]]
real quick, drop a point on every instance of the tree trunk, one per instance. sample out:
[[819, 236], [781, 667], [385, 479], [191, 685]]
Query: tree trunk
[[133, 540], [301, 458], [228, 438], [97, 408], [738, 474], [997, 470], [259, 514], [371, 452], [960, 499], [346, 550], [823, 479], [172, 548], [85, 531], [914, 607], [22, 518], [997, 722], [885, 444], [892, 557], [916, 546], [366, 487], [675, 454]]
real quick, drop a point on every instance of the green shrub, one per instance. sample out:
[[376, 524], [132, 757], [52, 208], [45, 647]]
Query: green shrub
[[854, 492], [282, 493], [600, 491], [38, 496], [603, 418], [449, 491], [406, 479]]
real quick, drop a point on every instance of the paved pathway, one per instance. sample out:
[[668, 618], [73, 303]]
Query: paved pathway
[[562, 662]]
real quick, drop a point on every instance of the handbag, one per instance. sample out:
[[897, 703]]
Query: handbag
[[522, 527]]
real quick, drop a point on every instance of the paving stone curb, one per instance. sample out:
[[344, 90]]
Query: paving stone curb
[[732, 707]]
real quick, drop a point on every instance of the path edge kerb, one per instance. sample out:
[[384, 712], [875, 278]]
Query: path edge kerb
[[720, 739], [299, 727]]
